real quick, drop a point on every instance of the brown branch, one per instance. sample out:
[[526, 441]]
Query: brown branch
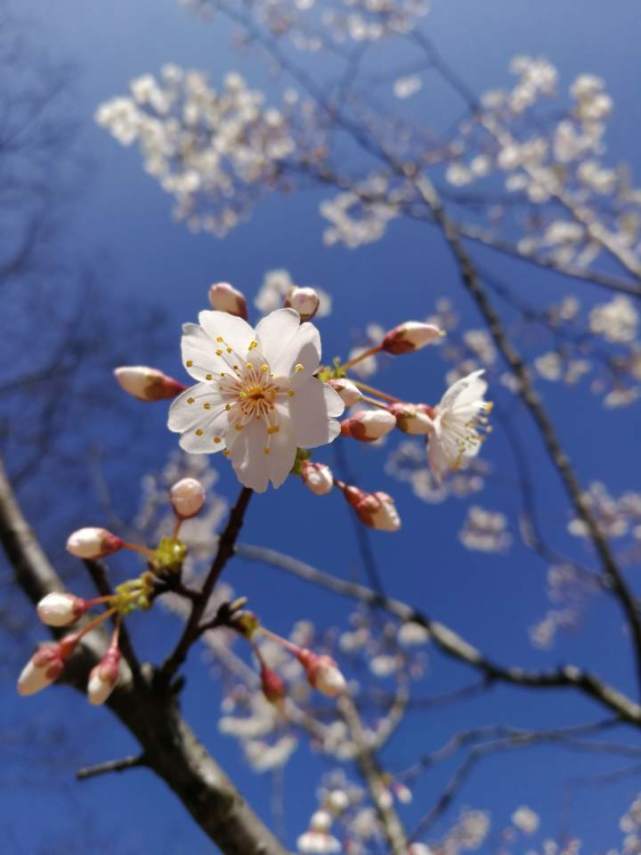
[[224, 552], [133, 762], [148, 711], [532, 401], [450, 642]]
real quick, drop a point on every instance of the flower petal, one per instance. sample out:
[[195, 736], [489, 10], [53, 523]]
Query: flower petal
[[247, 454], [286, 342], [282, 453], [276, 333], [234, 331], [464, 390], [311, 411], [188, 409], [199, 353]]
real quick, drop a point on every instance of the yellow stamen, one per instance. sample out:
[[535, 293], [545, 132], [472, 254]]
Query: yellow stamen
[[190, 400], [199, 432], [299, 367]]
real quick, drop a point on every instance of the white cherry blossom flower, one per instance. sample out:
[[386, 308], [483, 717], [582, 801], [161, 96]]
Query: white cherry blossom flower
[[458, 424], [256, 397]]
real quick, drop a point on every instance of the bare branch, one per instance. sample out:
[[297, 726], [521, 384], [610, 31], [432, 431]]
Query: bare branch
[[450, 642], [122, 765]]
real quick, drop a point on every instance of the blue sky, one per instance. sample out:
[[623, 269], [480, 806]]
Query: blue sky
[[124, 217]]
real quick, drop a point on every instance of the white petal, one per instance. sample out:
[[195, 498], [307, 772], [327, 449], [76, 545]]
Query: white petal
[[282, 453], [437, 459], [276, 333], [333, 401], [183, 415], [465, 390], [286, 345], [198, 353], [311, 420], [247, 455], [206, 435], [235, 332]]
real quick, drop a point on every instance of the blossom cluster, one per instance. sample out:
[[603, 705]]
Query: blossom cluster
[[311, 25], [214, 151]]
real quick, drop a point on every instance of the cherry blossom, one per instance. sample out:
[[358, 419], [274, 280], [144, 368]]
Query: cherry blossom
[[256, 397]]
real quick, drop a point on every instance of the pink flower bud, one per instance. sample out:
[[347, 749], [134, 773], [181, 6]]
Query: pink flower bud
[[349, 392], [103, 677], [61, 609], [304, 300], [187, 497], [93, 543], [410, 336], [46, 665], [225, 298], [322, 673], [272, 685], [412, 418], [147, 384], [375, 510], [317, 477], [368, 425]]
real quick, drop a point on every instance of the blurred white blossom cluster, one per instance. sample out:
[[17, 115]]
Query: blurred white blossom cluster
[[599, 343], [630, 825], [485, 531], [569, 591], [619, 519], [214, 151], [391, 654], [554, 157], [313, 24]]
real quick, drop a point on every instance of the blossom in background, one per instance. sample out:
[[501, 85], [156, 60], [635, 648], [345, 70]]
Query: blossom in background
[[458, 423], [256, 397]]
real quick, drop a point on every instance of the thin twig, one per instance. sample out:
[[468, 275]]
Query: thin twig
[[122, 765]]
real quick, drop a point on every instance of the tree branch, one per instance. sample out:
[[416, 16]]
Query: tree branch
[[450, 642], [148, 711], [225, 551]]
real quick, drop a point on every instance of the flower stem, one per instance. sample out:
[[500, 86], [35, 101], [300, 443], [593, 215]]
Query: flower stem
[[361, 356], [373, 391]]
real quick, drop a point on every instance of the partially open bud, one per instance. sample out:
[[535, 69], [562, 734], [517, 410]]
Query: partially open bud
[[225, 298], [412, 418], [46, 665], [103, 677], [368, 425], [93, 543], [187, 497], [304, 300], [410, 336], [317, 477], [271, 684], [147, 384], [375, 510], [349, 392], [61, 609], [322, 673]]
